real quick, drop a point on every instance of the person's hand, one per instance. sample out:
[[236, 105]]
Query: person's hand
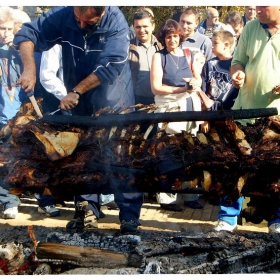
[[238, 79], [205, 127], [7, 40], [70, 101], [192, 84], [27, 80]]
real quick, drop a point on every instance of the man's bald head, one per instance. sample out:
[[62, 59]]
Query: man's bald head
[[212, 17]]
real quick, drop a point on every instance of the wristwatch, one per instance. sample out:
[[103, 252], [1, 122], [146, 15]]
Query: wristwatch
[[76, 92]]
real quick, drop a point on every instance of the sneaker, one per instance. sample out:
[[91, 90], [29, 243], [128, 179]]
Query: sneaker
[[274, 228], [83, 218], [49, 210], [224, 226], [193, 204], [10, 213], [128, 227]]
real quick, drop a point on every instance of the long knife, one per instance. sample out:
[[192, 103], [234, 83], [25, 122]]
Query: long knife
[[30, 94], [52, 113]]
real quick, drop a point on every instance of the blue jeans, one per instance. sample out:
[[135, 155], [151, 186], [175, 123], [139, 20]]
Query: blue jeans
[[129, 204], [277, 220], [229, 213], [8, 200], [44, 200]]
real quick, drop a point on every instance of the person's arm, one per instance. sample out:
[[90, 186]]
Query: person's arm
[[240, 59], [156, 75], [196, 81], [27, 79], [72, 99], [50, 66]]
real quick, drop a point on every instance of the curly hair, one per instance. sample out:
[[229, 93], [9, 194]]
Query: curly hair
[[170, 26]]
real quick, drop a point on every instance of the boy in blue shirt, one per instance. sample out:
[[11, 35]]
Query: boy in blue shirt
[[217, 84]]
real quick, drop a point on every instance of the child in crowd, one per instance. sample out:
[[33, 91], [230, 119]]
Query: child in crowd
[[217, 84], [216, 79]]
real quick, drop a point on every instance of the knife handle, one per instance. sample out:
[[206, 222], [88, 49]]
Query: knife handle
[[30, 93]]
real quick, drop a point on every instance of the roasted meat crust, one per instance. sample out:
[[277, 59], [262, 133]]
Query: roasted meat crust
[[230, 159]]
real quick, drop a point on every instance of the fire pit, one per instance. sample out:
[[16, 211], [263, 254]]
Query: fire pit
[[112, 153]]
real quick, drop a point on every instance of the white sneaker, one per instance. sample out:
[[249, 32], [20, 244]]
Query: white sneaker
[[274, 228], [49, 210], [10, 213], [222, 225]]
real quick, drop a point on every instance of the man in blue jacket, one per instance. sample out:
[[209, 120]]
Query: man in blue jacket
[[96, 74]]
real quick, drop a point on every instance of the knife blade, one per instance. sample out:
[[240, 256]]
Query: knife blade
[[30, 94], [52, 113]]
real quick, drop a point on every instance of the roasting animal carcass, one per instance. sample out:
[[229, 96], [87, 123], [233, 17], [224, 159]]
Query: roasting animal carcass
[[66, 160]]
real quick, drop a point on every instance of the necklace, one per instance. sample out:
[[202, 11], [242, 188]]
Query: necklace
[[176, 64]]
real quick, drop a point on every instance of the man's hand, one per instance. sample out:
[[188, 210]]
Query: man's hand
[[70, 101], [7, 40], [238, 79], [28, 79]]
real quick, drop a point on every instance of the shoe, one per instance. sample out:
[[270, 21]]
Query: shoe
[[171, 207], [128, 227], [27, 195], [60, 203], [193, 204], [10, 213], [274, 228], [90, 220], [224, 226], [83, 218], [112, 205], [49, 210]]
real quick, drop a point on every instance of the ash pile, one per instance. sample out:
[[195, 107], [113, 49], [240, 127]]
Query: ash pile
[[149, 252]]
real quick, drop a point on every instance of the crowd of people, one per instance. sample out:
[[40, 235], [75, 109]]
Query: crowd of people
[[93, 59]]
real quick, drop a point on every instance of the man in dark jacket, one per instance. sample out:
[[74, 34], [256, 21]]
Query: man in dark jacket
[[96, 74]]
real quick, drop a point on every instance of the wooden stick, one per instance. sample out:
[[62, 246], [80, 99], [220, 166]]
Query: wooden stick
[[86, 256], [134, 118]]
